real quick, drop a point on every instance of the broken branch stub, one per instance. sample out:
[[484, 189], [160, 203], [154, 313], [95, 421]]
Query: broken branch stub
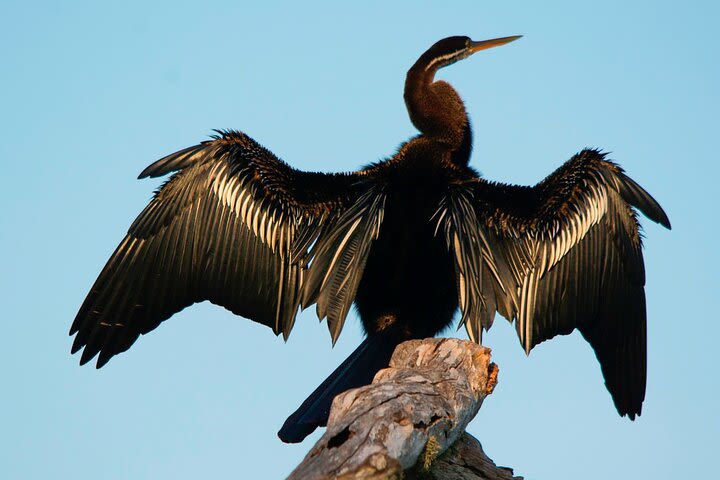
[[418, 406]]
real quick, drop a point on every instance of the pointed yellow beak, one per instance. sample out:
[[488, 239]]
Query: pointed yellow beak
[[495, 42]]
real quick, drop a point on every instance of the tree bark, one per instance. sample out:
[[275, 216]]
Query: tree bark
[[415, 410], [464, 460]]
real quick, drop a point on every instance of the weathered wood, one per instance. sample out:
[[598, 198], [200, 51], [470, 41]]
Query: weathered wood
[[412, 412], [464, 460]]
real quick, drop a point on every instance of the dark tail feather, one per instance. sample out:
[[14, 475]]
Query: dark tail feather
[[357, 370]]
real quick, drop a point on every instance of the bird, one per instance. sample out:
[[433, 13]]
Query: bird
[[409, 241]]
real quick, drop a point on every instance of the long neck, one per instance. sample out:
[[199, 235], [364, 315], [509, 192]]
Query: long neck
[[435, 108]]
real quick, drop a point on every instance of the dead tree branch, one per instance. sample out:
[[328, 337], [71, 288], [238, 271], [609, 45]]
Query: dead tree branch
[[412, 413]]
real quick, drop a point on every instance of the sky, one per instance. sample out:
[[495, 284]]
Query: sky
[[92, 92]]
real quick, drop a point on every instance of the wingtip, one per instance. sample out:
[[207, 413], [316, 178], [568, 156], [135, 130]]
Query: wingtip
[[631, 410], [638, 197], [88, 354], [335, 327], [85, 358], [527, 344], [659, 216], [665, 222], [632, 415], [101, 363], [147, 172], [76, 346]]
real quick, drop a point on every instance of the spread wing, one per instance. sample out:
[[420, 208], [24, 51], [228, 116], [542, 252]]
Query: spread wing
[[561, 255], [236, 226]]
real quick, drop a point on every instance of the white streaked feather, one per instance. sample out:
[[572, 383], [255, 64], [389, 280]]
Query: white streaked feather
[[256, 217], [458, 252], [339, 250], [545, 260], [238, 203], [218, 174], [215, 170], [577, 227], [563, 237], [219, 184], [280, 294], [275, 224], [461, 280], [529, 311], [443, 212], [235, 193], [244, 209], [261, 228], [490, 263], [280, 239], [228, 195], [470, 331], [584, 227], [522, 313], [572, 233]]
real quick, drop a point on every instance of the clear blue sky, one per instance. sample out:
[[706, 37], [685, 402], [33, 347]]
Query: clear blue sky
[[91, 93]]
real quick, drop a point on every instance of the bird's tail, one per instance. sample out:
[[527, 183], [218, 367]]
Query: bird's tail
[[358, 369]]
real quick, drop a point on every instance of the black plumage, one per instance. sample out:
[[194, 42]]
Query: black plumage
[[408, 240]]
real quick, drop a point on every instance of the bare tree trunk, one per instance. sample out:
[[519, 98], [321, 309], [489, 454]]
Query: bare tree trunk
[[412, 413]]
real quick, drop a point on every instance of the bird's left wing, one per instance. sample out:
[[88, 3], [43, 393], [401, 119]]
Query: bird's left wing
[[564, 254], [237, 226]]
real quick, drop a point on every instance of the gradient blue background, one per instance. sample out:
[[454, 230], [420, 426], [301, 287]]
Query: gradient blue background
[[91, 94]]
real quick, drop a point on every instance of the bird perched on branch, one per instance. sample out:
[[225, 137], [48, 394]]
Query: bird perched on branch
[[408, 240]]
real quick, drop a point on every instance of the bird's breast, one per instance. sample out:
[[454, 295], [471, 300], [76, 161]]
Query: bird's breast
[[409, 273]]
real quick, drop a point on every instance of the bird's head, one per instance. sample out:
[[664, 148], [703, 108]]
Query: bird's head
[[451, 49]]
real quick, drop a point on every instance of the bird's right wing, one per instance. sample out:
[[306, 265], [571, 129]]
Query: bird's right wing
[[562, 255], [236, 226]]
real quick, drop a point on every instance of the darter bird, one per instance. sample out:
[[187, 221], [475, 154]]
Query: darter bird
[[409, 240]]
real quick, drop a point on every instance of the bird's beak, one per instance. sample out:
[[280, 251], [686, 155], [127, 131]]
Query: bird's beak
[[495, 42]]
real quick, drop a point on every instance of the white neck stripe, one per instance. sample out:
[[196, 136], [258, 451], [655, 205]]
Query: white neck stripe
[[442, 58]]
